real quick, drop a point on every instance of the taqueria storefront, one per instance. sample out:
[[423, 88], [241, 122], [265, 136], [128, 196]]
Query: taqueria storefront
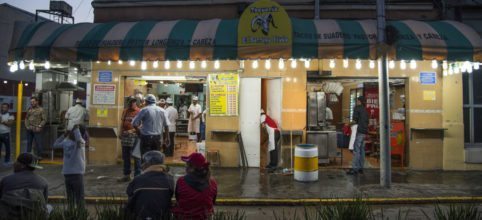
[[271, 61]]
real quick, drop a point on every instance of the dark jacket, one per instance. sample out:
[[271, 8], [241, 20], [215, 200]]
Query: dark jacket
[[360, 116], [150, 194]]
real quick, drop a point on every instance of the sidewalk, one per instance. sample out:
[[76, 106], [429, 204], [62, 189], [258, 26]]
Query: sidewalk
[[250, 187]]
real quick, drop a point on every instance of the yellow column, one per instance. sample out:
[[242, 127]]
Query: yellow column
[[19, 118]]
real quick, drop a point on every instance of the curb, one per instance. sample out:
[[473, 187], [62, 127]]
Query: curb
[[298, 202]]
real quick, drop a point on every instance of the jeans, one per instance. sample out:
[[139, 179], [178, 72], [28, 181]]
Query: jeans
[[170, 148], [5, 141], [126, 157], [273, 155], [203, 131], [358, 152], [74, 186], [150, 142], [37, 136]]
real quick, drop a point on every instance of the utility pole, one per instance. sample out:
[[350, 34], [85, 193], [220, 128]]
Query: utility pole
[[383, 99], [317, 9]]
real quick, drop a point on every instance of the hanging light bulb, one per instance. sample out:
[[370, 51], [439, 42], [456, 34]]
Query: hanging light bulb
[[22, 65], [463, 67], [434, 64], [451, 70], [444, 65], [358, 64], [456, 69], [155, 64], [345, 63], [167, 64], [241, 64], [120, 62], [267, 64], [47, 65], [469, 68], [391, 64], [476, 66], [445, 72], [413, 64], [75, 82], [12, 68], [332, 64], [307, 63], [143, 65], [179, 64], [372, 64], [403, 65], [97, 62], [204, 64], [217, 64], [293, 64], [108, 62], [132, 63], [192, 65], [255, 64], [281, 64], [31, 66]]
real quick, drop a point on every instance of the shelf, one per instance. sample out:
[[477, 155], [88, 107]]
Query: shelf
[[292, 132]]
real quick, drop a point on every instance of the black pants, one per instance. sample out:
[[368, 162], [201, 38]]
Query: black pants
[[74, 186], [170, 148], [150, 142], [5, 141], [37, 136], [273, 155]]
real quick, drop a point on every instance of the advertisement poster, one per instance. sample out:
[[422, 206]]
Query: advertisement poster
[[371, 95], [223, 94], [104, 94]]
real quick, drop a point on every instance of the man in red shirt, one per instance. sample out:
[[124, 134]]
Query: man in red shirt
[[196, 191], [128, 140], [273, 140]]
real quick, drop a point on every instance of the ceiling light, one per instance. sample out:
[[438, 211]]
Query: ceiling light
[[108, 62], [167, 65], [31, 66], [413, 64], [267, 64], [22, 65], [444, 65], [391, 64], [345, 63], [293, 63], [120, 62], [332, 63], [204, 64], [434, 64], [179, 64], [255, 64], [217, 64], [155, 64], [132, 63], [143, 65], [47, 65], [403, 65], [281, 64], [192, 65], [476, 66], [358, 64], [164, 78], [372, 64], [307, 63]]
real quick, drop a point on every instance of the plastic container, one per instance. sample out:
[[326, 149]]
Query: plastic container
[[306, 163]]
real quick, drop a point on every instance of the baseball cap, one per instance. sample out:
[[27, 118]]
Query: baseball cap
[[153, 157], [196, 159], [150, 99], [195, 98], [29, 160], [169, 101]]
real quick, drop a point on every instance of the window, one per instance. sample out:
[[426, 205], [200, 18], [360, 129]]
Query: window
[[472, 92]]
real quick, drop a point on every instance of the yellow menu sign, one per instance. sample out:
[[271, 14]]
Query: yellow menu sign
[[223, 94]]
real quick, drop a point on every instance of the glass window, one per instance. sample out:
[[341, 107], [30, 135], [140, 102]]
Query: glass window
[[477, 81], [465, 80], [478, 125], [467, 125]]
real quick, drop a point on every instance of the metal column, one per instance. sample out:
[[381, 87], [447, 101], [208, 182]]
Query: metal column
[[383, 90]]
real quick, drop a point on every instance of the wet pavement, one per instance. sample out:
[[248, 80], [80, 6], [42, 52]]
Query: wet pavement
[[251, 183]]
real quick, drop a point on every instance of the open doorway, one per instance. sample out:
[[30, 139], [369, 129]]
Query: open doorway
[[179, 92]]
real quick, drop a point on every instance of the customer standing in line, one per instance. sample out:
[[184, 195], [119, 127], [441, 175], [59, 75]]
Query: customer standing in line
[[360, 118], [34, 122], [172, 116], [129, 138]]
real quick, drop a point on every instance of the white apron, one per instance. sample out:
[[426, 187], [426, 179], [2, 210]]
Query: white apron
[[271, 139], [353, 136], [194, 124]]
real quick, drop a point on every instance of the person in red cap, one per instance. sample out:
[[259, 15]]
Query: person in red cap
[[196, 191]]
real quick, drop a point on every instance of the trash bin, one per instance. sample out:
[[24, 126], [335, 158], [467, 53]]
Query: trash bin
[[306, 162]]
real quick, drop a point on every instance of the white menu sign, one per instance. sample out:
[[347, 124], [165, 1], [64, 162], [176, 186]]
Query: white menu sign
[[104, 94]]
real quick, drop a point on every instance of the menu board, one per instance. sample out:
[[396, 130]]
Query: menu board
[[223, 94], [104, 94]]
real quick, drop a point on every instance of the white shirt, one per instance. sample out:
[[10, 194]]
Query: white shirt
[[172, 116], [165, 116], [328, 114], [76, 115], [4, 118]]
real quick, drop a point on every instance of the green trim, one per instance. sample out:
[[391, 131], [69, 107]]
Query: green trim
[[226, 40], [305, 38], [355, 41], [459, 48], [407, 45], [179, 42], [88, 48], [42, 51], [135, 41], [25, 38]]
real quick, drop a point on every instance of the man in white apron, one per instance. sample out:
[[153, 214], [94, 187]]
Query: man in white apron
[[195, 112], [273, 140]]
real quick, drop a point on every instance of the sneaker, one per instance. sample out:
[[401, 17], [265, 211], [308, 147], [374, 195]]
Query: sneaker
[[351, 172], [124, 179]]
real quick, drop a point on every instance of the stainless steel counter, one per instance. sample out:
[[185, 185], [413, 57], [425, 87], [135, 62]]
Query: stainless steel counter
[[326, 142]]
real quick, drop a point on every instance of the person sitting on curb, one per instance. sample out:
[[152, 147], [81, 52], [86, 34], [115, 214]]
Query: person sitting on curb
[[23, 192], [149, 194], [195, 192], [73, 168]]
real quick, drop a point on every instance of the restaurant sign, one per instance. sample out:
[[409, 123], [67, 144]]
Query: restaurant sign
[[223, 94], [264, 23]]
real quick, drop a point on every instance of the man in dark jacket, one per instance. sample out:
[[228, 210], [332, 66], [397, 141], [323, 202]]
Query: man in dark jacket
[[23, 192], [360, 117], [150, 193]]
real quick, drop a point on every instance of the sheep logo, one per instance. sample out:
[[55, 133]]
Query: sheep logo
[[262, 22]]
